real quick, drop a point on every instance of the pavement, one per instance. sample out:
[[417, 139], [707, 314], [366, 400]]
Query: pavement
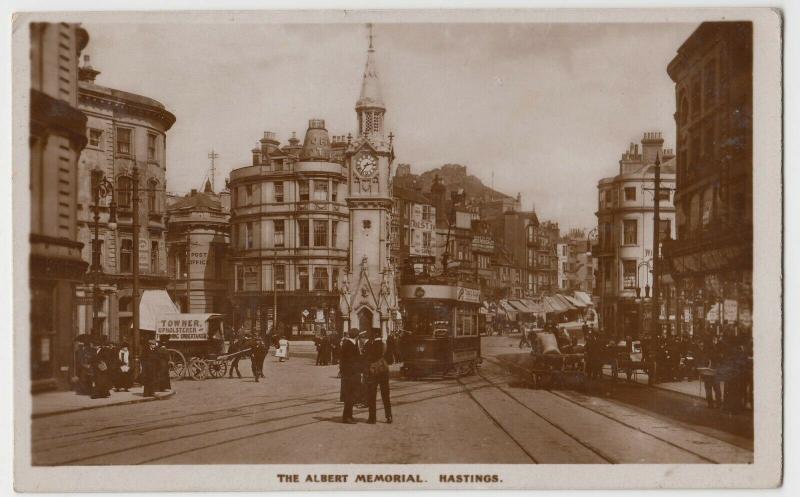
[[52, 403], [294, 417]]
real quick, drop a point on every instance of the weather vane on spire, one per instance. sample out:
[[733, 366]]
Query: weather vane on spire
[[369, 26]]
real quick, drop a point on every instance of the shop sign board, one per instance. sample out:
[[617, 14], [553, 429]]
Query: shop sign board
[[731, 310]]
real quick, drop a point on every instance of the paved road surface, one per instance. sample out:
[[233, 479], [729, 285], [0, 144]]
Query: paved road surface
[[293, 417]]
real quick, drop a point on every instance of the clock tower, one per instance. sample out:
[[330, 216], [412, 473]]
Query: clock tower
[[368, 296]]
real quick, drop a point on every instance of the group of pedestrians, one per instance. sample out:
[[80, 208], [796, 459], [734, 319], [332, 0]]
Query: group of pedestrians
[[328, 347], [364, 369], [102, 365]]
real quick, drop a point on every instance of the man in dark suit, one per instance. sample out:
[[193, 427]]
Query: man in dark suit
[[377, 360], [351, 374], [258, 352], [149, 375], [163, 381]]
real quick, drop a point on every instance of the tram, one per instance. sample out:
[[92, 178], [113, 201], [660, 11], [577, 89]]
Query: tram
[[440, 336]]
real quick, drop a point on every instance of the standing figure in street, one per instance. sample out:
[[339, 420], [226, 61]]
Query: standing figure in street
[[335, 343], [708, 358], [101, 367], [122, 381], [257, 355], [164, 382], [350, 366], [236, 346], [283, 350], [318, 345], [524, 341], [377, 375], [83, 360], [149, 375]]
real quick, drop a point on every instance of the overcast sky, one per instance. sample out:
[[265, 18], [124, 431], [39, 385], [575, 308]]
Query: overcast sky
[[548, 107]]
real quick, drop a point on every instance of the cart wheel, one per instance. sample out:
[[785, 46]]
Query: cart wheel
[[177, 364], [197, 369], [217, 369]]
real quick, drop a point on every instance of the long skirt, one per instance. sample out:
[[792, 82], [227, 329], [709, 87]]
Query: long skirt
[[122, 379]]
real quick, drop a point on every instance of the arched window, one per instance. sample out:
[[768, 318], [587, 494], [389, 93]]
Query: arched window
[[123, 193], [708, 207], [152, 196], [683, 113]]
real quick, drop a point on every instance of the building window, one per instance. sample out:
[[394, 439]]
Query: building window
[[629, 274], [303, 188], [248, 235], [630, 193], [630, 232], [334, 228], [152, 198], [151, 146], [320, 233], [280, 277], [154, 256], [664, 229], [608, 196], [123, 192], [126, 256], [302, 232], [320, 191], [248, 194], [531, 233], [278, 238], [240, 278], [426, 240], [124, 136], [695, 98], [334, 191], [321, 278], [95, 136], [302, 278], [426, 213], [708, 203], [278, 187], [710, 84], [335, 279]]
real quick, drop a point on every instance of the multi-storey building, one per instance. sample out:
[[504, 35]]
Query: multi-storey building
[[289, 233], [711, 259], [123, 129], [575, 262], [514, 233], [413, 235], [57, 136], [624, 247], [542, 256], [198, 241]]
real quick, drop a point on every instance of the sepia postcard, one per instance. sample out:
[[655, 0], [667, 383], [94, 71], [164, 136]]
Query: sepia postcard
[[408, 250]]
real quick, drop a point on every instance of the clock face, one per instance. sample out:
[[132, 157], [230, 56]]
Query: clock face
[[366, 166]]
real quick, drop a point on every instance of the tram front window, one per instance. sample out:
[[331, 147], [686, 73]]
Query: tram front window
[[428, 318]]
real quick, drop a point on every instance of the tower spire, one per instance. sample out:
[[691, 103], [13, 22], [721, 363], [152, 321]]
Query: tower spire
[[370, 107]]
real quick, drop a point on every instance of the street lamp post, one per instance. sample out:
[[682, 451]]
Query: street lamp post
[[101, 188], [656, 245], [135, 228]]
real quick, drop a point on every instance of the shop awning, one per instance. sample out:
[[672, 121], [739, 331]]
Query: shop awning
[[508, 309], [583, 297], [535, 307], [565, 301], [555, 305], [154, 303], [572, 300]]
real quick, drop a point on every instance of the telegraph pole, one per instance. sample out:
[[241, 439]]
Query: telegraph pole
[[213, 156], [656, 247]]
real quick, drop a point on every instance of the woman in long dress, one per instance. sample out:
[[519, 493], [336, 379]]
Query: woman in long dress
[[283, 349], [122, 379]]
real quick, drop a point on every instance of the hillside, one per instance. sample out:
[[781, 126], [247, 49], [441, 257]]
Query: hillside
[[454, 177]]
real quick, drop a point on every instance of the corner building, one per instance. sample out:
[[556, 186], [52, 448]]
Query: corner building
[[711, 260], [123, 129], [289, 234], [624, 246]]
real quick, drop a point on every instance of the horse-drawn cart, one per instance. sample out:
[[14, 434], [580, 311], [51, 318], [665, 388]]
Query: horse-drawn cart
[[196, 347], [551, 366]]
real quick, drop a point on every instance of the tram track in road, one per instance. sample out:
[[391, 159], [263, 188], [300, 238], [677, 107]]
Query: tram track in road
[[605, 415], [592, 449], [239, 426]]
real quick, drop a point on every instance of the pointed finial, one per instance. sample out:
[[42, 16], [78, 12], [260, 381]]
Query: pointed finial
[[391, 137], [349, 138], [369, 26]]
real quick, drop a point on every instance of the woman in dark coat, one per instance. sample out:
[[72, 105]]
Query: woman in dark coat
[[102, 365], [377, 362], [122, 379], [149, 375], [163, 380], [350, 366]]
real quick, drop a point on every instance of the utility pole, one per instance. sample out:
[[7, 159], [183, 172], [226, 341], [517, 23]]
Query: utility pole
[[656, 247], [213, 156], [135, 228]]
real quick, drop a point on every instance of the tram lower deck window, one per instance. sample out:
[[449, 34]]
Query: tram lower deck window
[[466, 322]]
